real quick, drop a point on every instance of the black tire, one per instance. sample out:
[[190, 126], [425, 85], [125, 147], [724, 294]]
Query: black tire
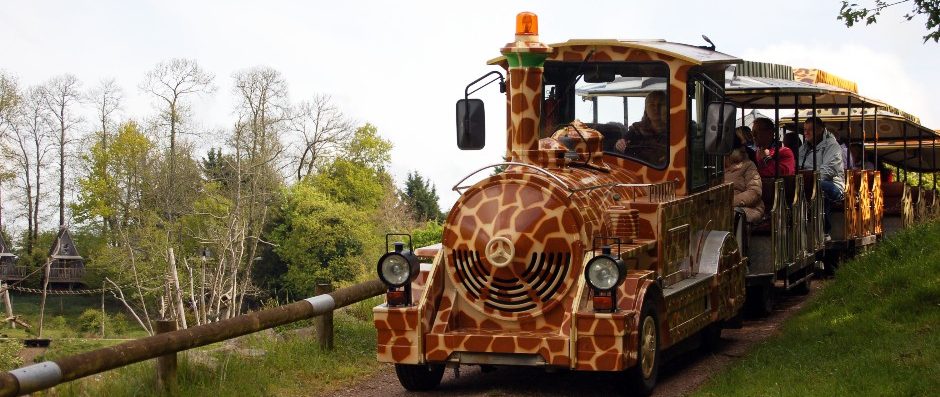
[[419, 377], [641, 379], [831, 262], [711, 336], [760, 300]]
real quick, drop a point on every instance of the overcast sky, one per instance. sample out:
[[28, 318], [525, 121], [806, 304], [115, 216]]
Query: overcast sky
[[401, 65]]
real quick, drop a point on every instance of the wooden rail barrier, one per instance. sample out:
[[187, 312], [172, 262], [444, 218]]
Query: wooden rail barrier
[[47, 374]]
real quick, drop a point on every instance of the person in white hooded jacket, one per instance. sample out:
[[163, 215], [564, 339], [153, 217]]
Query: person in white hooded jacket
[[821, 147]]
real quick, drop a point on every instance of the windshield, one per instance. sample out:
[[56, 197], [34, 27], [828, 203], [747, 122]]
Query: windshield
[[626, 102]]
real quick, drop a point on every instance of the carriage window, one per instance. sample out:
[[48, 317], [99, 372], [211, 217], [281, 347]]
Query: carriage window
[[626, 102]]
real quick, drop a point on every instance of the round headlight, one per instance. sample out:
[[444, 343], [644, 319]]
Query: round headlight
[[603, 273], [394, 270]]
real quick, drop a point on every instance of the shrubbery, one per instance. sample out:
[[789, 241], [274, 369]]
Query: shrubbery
[[9, 354]]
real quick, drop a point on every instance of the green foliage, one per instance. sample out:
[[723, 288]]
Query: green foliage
[[352, 183], [217, 167], [9, 354], [421, 197], [113, 186], [359, 179], [368, 148], [91, 319], [429, 234], [319, 238], [851, 13], [871, 332], [118, 324]]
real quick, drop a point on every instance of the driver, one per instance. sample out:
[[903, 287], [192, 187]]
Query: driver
[[647, 139]]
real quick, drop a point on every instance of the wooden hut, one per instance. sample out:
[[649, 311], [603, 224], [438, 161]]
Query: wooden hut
[[8, 269], [66, 266]]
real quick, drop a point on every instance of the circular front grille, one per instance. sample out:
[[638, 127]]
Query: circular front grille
[[512, 246], [512, 290]]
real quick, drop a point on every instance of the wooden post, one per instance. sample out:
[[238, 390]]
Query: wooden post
[[166, 365], [104, 316], [323, 324], [45, 287], [9, 306]]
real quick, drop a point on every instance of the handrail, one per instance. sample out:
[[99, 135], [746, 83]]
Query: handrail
[[457, 186], [47, 374]]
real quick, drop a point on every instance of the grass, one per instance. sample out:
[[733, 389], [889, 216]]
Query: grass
[[875, 330], [292, 366], [61, 317]]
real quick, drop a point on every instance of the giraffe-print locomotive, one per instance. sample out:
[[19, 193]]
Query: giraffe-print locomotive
[[535, 302]]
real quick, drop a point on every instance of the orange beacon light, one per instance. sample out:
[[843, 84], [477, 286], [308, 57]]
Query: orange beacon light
[[527, 24]]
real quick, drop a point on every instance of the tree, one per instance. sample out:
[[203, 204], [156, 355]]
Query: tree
[[61, 95], [421, 197], [172, 82], [358, 177], [9, 99], [263, 109], [106, 98], [325, 130], [29, 149], [115, 191], [319, 238], [851, 13]]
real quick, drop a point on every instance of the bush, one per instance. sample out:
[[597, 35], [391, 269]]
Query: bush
[[9, 354], [118, 324], [91, 320], [57, 322]]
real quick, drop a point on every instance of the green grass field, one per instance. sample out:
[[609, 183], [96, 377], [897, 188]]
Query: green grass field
[[62, 317], [874, 331]]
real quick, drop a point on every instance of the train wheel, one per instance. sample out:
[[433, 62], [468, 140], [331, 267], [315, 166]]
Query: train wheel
[[642, 377], [760, 300], [711, 336], [419, 377]]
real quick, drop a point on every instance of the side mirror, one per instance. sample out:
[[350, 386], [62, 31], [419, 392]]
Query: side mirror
[[719, 128], [471, 124]]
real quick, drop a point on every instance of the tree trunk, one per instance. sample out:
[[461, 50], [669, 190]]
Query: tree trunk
[[62, 171], [174, 278]]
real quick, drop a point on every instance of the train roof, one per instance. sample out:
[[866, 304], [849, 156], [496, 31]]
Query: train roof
[[891, 126], [766, 85], [824, 78], [925, 159], [695, 55]]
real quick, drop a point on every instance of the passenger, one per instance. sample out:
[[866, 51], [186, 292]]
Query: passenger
[[855, 158], [743, 133], [793, 142], [741, 172], [646, 139], [829, 162], [769, 162]]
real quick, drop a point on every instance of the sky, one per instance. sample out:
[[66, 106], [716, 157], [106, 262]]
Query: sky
[[402, 65]]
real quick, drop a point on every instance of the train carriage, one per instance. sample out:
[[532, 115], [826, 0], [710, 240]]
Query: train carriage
[[577, 255], [785, 249]]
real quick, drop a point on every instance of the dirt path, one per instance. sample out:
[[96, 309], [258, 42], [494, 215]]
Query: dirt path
[[676, 378]]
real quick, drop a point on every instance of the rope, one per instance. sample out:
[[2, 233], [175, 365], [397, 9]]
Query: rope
[[60, 292]]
